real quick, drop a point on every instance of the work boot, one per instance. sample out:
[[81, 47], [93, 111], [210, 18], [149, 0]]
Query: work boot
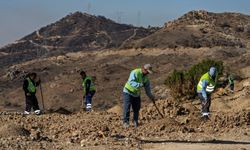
[[205, 116], [37, 112], [125, 125], [25, 113], [88, 109]]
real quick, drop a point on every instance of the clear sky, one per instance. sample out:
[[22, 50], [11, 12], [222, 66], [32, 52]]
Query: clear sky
[[21, 17]]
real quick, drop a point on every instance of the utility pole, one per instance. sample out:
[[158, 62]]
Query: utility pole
[[88, 7], [138, 18], [46, 50], [119, 16]]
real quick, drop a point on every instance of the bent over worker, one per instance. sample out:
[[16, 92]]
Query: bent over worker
[[29, 87], [138, 78], [88, 90], [205, 88]]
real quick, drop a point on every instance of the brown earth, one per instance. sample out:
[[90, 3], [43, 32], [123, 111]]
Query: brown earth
[[102, 129]]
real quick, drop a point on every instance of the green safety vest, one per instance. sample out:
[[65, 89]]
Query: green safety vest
[[211, 84], [92, 86], [31, 86], [231, 80], [140, 79]]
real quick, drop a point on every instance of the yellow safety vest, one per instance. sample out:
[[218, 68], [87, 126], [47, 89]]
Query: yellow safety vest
[[139, 79], [92, 86], [211, 84], [31, 86]]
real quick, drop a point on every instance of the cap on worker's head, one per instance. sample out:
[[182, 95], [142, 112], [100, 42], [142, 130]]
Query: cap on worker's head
[[212, 71], [82, 73], [32, 74], [231, 76], [148, 67]]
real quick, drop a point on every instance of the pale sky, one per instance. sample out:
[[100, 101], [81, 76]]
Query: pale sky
[[21, 17]]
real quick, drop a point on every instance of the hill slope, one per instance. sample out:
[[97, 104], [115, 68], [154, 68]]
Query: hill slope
[[81, 31], [200, 29], [75, 32]]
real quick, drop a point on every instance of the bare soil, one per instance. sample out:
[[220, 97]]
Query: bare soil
[[65, 126]]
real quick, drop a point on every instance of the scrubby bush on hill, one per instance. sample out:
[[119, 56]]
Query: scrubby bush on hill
[[183, 83]]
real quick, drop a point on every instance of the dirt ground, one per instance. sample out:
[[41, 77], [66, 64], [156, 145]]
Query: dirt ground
[[204, 146], [64, 126], [181, 127]]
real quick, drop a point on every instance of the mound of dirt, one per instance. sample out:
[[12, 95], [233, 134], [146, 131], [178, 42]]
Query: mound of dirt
[[61, 111], [116, 110], [13, 129]]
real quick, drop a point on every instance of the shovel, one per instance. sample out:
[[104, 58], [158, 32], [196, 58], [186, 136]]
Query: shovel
[[41, 90], [158, 109]]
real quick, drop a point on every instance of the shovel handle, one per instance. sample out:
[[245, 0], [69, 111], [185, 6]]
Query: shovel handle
[[158, 110], [41, 90]]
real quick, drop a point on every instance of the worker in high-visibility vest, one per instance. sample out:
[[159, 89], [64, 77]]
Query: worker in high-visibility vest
[[231, 83], [88, 89], [138, 78], [29, 87], [205, 88]]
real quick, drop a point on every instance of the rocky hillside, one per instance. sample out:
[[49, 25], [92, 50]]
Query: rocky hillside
[[75, 32], [200, 29], [83, 32]]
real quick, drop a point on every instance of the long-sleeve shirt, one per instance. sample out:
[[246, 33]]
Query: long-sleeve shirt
[[203, 90], [132, 82]]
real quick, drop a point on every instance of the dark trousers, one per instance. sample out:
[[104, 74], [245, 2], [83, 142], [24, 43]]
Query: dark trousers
[[31, 102], [205, 106], [231, 87], [129, 101], [88, 98]]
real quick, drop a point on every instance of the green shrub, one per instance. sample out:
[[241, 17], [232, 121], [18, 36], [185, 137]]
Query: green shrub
[[183, 83]]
